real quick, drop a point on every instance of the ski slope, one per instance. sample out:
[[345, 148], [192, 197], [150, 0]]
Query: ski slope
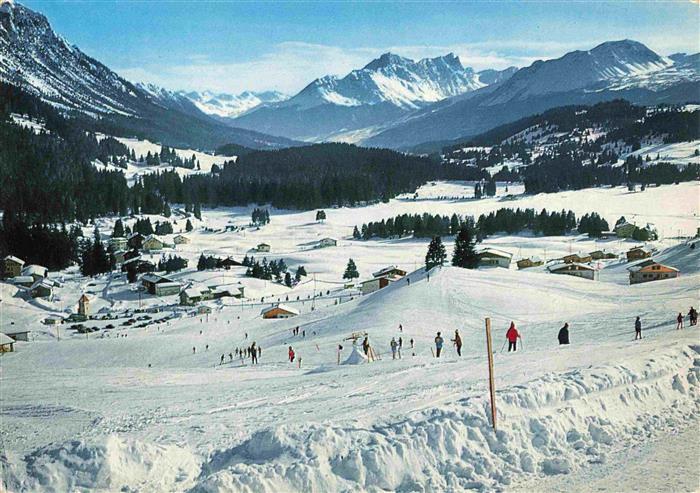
[[135, 409]]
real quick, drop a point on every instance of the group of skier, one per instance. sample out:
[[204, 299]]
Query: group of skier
[[692, 318], [253, 352]]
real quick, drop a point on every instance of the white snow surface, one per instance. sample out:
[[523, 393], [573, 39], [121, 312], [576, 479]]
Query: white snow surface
[[133, 409]]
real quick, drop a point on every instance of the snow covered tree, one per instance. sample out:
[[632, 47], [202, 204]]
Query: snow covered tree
[[436, 253], [288, 279], [464, 253], [166, 210], [320, 216], [351, 270], [301, 271]]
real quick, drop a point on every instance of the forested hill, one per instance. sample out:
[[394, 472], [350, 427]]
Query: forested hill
[[575, 147]]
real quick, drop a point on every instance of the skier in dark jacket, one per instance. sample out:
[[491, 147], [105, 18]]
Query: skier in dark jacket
[[637, 329], [458, 342], [679, 320], [253, 354], [512, 335], [365, 346], [693, 316], [564, 334]]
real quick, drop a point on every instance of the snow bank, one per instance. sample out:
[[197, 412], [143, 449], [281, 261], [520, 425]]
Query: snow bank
[[552, 425], [109, 464]]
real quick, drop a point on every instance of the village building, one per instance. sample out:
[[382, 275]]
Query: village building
[[18, 335], [236, 290], [195, 294], [135, 241], [11, 266], [55, 320], [638, 253], [24, 281], [181, 240], [279, 311], [228, 262], [263, 247], [579, 258], [573, 269], [372, 285], [159, 285], [7, 344], [118, 243], [42, 288], [84, 305], [153, 243], [327, 242], [602, 254], [37, 272], [650, 270], [526, 263], [139, 265], [490, 257], [391, 271]]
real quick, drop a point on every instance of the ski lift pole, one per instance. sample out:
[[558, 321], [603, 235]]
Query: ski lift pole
[[492, 385]]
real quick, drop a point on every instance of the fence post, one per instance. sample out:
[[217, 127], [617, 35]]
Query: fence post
[[492, 384]]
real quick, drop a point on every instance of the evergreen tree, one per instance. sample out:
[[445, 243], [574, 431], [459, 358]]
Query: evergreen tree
[[320, 216], [356, 234], [197, 211], [301, 271], [118, 229], [202, 262], [464, 253], [288, 279], [351, 270], [166, 210], [436, 253], [188, 226]]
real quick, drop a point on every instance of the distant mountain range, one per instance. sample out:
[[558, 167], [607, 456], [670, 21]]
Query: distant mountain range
[[386, 89], [391, 102], [35, 58]]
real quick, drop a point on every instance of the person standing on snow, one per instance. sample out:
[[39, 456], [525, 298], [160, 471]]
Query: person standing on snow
[[413, 347], [400, 346], [693, 316], [512, 335], [564, 334], [637, 329], [439, 341], [253, 354], [393, 345], [290, 353], [365, 345], [679, 319], [458, 342], [222, 360]]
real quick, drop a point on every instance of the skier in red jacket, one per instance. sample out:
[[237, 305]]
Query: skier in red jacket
[[512, 335]]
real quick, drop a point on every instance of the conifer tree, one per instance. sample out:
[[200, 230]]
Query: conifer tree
[[188, 226], [118, 229], [436, 253], [464, 253], [351, 270]]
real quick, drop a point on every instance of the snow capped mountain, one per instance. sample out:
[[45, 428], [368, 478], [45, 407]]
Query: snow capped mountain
[[615, 69], [347, 108], [393, 79], [229, 105], [36, 58]]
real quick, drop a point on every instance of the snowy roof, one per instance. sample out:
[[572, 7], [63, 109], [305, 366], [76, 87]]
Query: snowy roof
[[228, 288], [385, 270], [22, 279], [134, 235], [646, 263], [42, 283], [645, 249], [156, 278], [5, 339], [327, 239], [495, 253], [263, 244], [153, 237], [562, 266], [34, 269], [14, 259], [283, 307]]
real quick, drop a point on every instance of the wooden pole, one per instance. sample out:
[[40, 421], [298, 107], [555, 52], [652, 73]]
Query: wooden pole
[[492, 384]]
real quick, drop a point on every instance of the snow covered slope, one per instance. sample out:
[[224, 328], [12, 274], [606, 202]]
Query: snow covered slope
[[135, 409]]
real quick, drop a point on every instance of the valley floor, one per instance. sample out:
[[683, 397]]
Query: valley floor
[[136, 409]]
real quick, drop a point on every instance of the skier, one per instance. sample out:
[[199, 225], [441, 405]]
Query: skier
[[637, 329], [259, 351], [679, 319], [291, 354], [512, 335], [365, 345], [400, 328], [408, 281], [194, 350], [206, 348], [693, 316], [438, 344], [400, 346], [230, 357], [393, 345], [413, 347], [253, 354], [564, 334], [458, 342], [222, 360]]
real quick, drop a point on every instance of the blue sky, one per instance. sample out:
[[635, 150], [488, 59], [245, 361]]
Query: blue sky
[[234, 46]]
